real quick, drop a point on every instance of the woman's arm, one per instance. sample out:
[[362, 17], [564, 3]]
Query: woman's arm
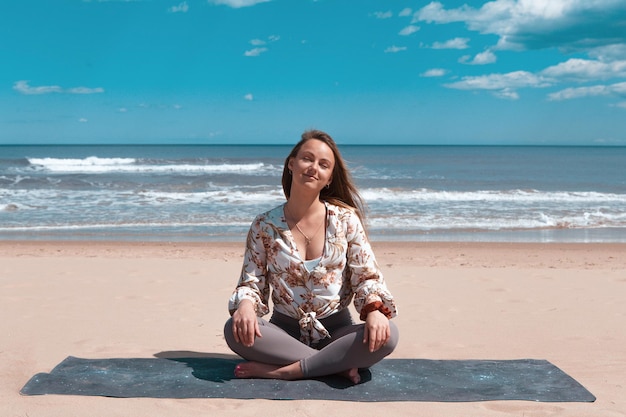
[[372, 299], [366, 278], [253, 284]]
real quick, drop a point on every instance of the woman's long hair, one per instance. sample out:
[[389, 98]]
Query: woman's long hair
[[341, 191]]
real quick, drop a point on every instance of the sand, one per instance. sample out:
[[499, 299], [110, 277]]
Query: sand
[[565, 303]]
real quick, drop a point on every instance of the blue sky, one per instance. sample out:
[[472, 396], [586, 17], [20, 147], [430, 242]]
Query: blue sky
[[549, 72]]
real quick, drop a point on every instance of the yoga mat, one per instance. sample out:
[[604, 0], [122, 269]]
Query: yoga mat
[[389, 380]]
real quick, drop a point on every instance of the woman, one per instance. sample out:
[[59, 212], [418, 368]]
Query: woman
[[313, 255]]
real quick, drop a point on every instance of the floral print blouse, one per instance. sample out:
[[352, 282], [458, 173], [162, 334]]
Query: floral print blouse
[[346, 270]]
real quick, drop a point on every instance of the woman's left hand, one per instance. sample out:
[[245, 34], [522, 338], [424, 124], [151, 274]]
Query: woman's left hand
[[377, 331]]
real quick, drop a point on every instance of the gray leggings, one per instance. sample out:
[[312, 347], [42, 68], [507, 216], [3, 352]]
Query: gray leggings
[[280, 345]]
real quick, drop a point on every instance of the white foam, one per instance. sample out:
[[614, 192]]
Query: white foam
[[222, 195], [71, 164], [117, 226], [529, 196], [96, 165], [9, 207], [400, 210]]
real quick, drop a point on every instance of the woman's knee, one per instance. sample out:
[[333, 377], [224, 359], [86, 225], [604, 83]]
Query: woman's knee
[[228, 333], [229, 337], [394, 337]]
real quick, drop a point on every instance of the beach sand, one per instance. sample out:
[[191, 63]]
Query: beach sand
[[565, 303]]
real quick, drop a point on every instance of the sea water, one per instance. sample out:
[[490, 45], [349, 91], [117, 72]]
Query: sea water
[[212, 193]]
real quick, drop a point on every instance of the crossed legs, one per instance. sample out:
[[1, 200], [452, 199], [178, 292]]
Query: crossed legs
[[279, 355]]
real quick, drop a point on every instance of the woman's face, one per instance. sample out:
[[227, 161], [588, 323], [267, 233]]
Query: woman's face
[[313, 165]]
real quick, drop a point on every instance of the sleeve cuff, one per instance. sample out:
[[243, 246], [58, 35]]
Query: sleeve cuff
[[373, 306]]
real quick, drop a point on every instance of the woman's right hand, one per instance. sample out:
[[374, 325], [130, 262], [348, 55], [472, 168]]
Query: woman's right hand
[[245, 323]]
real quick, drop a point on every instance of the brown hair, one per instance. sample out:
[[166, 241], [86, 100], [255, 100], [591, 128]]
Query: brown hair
[[341, 191]]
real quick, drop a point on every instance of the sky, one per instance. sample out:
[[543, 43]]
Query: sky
[[502, 72]]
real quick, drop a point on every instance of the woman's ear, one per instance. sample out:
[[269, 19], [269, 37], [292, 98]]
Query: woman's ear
[[290, 164]]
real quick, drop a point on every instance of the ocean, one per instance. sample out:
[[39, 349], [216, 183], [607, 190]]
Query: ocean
[[213, 192]]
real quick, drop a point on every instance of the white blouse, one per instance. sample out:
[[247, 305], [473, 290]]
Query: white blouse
[[302, 289]]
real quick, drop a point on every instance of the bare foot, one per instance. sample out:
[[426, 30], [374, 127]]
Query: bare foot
[[263, 370], [352, 374], [288, 372]]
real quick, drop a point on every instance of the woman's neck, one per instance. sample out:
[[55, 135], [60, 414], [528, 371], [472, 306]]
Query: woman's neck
[[306, 220], [304, 206]]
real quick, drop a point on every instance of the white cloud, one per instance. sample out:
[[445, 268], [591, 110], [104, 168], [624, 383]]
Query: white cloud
[[592, 26], [503, 85], [456, 43], [84, 90], [609, 52], [181, 8], [23, 87], [618, 89], [394, 49], [83, 120], [409, 30], [515, 79], [405, 12], [538, 24], [237, 3], [574, 69], [383, 15], [255, 51], [434, 72], [434, 12], [585, 69], [248, 97], [259, 45], [484, 58], [621, 104], [507, 93], [570, 93]]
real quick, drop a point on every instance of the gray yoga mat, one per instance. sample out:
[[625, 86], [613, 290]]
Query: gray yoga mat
[[389, 380]]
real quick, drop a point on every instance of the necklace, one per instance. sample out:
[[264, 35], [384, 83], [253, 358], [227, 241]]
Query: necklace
[[307, 240]]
